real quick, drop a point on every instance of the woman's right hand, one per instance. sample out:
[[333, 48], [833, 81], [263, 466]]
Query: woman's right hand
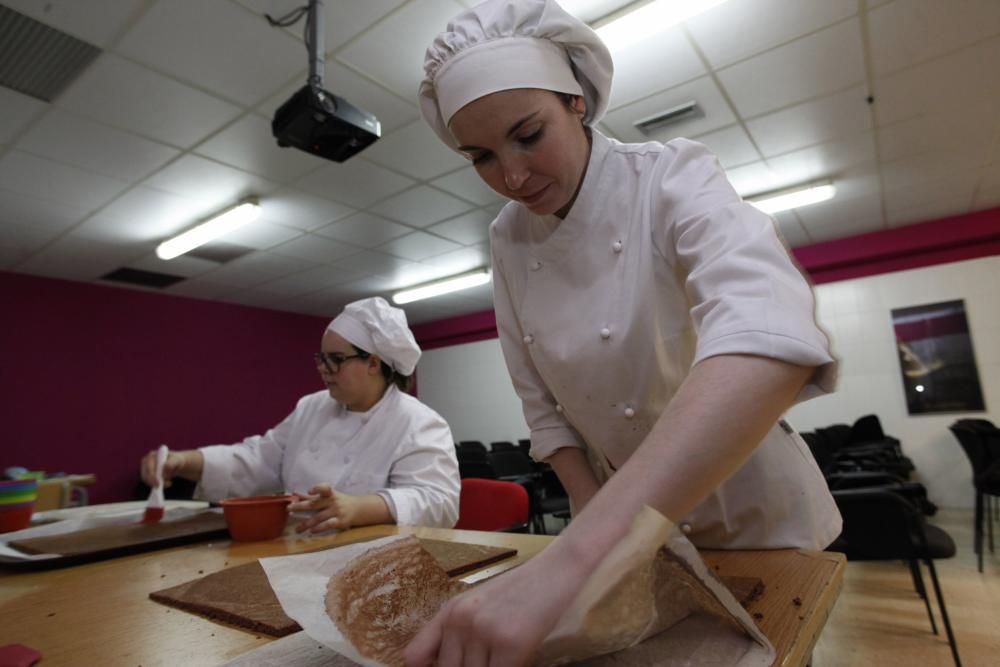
[[178, 463]]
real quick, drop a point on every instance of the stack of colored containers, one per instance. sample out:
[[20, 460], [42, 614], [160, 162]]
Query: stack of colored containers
[[17, 501]]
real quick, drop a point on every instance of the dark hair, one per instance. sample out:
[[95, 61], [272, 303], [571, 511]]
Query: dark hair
[[390, 376]]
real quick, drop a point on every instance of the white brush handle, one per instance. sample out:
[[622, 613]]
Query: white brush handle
[[156, 497]]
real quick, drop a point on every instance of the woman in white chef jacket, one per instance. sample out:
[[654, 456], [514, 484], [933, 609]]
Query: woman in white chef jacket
[[653, 324], [359, 452]]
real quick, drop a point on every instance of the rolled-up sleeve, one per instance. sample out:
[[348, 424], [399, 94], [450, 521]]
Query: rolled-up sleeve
[[247, 468], [549, 430], [424, 481], [747, 295]]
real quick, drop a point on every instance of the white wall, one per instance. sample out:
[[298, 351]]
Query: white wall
[[468, 384], [856, 313]]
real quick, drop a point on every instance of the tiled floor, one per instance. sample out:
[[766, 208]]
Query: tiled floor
[[879, 619]]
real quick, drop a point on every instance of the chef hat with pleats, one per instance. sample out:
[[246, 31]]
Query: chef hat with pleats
[[378, 328], [507, 44]]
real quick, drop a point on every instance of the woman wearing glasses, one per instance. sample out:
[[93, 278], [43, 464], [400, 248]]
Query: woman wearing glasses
[[360, 452]]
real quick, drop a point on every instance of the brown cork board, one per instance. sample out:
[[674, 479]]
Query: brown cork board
[[243, 597]]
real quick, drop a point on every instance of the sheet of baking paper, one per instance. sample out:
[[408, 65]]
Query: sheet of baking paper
[[94, 519], [301, 581], [651, 601], [296, 650]]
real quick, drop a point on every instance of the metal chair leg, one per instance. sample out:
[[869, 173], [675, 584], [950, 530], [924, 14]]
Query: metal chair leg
[[944, 612], [977, 532], [990, 509], [918, 582]]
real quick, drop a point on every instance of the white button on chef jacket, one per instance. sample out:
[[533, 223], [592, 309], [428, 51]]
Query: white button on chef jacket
[[704, 274]]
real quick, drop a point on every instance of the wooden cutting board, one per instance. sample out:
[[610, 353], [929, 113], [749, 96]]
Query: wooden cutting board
[[242, 596], [110, 541]]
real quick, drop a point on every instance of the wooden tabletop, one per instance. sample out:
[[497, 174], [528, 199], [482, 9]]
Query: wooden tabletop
[[100, 613]]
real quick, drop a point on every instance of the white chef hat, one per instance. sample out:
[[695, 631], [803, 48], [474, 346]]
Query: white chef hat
[[378, 328], [507, 44]]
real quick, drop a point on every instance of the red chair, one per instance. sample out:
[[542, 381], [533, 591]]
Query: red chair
[[490, 504]]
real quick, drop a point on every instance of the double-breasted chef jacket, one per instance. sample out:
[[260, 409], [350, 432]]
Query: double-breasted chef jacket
[[658, 265], [400, 449]]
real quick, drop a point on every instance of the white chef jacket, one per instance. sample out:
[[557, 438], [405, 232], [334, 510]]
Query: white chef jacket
[[658, 265], [400, 449]]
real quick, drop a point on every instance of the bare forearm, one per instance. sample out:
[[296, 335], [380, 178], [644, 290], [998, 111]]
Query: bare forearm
[[575, 474], [720, 413], [371, 510]]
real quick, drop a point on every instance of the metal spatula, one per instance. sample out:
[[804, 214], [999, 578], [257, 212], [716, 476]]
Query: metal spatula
[[154, 506]]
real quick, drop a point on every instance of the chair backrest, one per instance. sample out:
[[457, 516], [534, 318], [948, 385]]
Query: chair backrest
[[511, 462], [867, 429], [820, 450], [470, 445], [971, 440], [489, 504], [837, 435], [524, 444], [878, 525], [479, 469], [501, 445]]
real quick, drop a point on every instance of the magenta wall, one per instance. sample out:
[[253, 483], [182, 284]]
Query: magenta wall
[[91, 376]]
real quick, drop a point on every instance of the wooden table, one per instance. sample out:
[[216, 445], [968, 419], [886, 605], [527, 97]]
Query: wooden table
[[100, 613]]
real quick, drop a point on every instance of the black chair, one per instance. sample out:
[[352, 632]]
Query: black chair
[[981, 443], [551, 499], [915, 492], [471, 452], [882, 525], [502, 445], [477, 469]]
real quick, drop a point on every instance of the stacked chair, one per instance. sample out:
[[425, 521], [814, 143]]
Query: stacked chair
[[884, 511], [980, 440], [494, 505]]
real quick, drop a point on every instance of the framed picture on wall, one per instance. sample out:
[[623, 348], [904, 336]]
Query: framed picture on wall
[[936, 359]]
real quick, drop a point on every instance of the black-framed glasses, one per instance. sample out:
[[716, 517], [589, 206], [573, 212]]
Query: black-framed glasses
[[332, 361]]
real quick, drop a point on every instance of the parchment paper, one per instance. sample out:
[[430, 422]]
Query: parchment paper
[[652, 586]]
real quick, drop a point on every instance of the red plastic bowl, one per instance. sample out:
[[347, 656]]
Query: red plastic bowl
[[256, 518], [15, 517]]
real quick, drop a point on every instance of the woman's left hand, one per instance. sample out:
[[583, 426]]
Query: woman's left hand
[[334, 510]]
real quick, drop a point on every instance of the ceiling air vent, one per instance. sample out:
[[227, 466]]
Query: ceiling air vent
[[38, 60], [142, 278], [675, 115]]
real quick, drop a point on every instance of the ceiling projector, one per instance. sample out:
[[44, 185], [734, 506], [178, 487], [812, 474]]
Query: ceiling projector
[[319, 122], [314, 120]]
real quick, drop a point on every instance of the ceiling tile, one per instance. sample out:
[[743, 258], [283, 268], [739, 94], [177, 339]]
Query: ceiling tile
[[939, 132], [314, 248], [392, 52], [373, 262], [842, 217], [946, 84], [731, 145], [825, 62], [199, 288], [122, 94], [342, 19], [23, 239], [79, 259], [468, 228], [17, 111], [203, 180], [939, 208], [418, 246], [824, 161], [791, 230], [461, 261], [392, 111], [813, 122], [715, 110], [291, 208], [248, 144], [44, 179], [226, 49], [357, 182], [94, 21], [907, 33], [311, 280], [466, 184], [911, 171], [83, 143], [364, 230], [952, 193], [751, 179], [738, 29], [421, 206], [257, 268], [252, 297], [988, 192], [40, 213], [634, 78], [416, 151], [144, 214]]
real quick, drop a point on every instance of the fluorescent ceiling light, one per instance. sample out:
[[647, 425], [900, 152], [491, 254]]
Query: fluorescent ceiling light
[[213, 228], [638, 20], [774, 202], [439, 287]]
